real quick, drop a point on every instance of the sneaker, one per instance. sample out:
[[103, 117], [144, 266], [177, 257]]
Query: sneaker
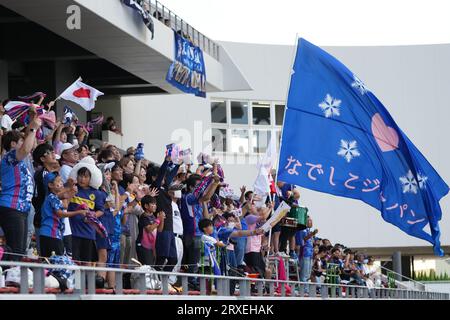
[[177, 288], [283, 254], [293, 255]]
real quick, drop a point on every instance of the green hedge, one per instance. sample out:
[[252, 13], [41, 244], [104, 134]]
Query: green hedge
[[431, 275]]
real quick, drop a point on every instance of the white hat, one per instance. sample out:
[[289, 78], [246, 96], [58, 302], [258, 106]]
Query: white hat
[[96, 174], [67, 146], [106, 166]]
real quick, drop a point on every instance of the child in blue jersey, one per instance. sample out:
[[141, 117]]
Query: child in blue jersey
[[52, 212], [111, 208], [212, 238]]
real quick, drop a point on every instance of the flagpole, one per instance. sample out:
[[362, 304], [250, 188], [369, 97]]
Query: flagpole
[[59, 97], [285, 107], [281, 133]]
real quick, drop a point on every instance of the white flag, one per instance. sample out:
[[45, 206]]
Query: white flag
[[279, 214], [266, 164], [81, 94]]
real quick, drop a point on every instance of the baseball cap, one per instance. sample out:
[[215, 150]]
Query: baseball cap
[[68, 146], [49, 178]]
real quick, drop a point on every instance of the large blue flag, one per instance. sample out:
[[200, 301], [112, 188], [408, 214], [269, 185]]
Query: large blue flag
[[338, 138]]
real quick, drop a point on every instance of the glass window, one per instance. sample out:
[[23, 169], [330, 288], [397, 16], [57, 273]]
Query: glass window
[[218, 112], [260, 140], [278, 135], [219, 140], [261, 113], [239, 112], [239, 141], [279, 114]]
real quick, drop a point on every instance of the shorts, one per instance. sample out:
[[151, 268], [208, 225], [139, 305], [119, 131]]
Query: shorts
[[165, 245], [255, 261], [83, 249], [145, 256], [277, 227], [49, 245], [102, 243], [113, 258]]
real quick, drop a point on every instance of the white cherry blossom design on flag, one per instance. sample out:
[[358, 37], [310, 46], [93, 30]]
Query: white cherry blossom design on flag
[[422, 180], [358, 84], [330, 106], [348, 150], [409, 183]]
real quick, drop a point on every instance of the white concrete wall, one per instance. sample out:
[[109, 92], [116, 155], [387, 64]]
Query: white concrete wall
[[411, 81], [438, 286], [162, 119]]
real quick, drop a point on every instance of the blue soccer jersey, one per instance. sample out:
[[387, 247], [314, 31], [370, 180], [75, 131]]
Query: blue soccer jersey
[[51, 225], [17, 183]]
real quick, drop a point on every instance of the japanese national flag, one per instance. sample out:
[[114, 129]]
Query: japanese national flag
[[81, 94]]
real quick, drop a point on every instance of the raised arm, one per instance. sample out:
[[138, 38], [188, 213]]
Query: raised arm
[[211, 188], [311, 234], [171, 174], [205, 212], [137, 167], [58, 132], [242, 198], [161, 173], [81, 135], [30, 138]]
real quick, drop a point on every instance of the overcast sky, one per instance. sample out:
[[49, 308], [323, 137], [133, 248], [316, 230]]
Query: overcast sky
[[323, 22]]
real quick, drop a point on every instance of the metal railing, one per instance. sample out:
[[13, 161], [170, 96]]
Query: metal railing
[[248, 287], [173, 21], [405, 281]]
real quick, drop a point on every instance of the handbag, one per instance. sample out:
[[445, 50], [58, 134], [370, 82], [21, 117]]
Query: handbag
[[152, 281], [13, 277]]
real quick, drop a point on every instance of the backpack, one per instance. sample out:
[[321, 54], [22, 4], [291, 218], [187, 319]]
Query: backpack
[[66, 278]]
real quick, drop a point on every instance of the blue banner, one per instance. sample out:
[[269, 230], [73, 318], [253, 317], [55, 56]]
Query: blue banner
[[338, 138], [187, 72]]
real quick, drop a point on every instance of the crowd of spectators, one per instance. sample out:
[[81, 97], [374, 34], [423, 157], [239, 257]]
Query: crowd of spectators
[[103, 207]]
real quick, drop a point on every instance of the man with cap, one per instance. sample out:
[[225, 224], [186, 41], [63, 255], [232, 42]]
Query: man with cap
[[69, 158]]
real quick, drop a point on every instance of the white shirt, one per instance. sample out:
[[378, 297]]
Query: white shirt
[[64, 172], [6, 122], [177, 222], [67, 230]]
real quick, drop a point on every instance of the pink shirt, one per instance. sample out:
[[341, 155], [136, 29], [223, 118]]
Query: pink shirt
[[149, 239], [253, 242]]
